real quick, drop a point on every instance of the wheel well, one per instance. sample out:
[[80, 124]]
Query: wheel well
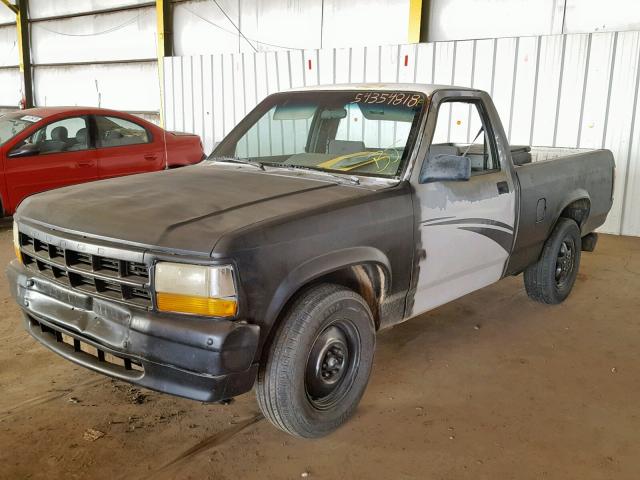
[[369, 280], [577, 211]]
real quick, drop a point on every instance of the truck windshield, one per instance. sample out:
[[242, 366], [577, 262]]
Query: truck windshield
[[354, 132], [12, 124]]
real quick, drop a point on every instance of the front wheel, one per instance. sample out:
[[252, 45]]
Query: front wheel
[[319, 362], [551, 278]]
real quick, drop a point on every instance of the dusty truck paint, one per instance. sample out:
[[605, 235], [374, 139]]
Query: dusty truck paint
[[350, 216]]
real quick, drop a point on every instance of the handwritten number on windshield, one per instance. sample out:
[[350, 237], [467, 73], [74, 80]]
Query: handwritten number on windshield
[[389, 98]]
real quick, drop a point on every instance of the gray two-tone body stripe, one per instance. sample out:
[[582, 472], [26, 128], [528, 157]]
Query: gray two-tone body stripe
[[482, 221], [493, 229]]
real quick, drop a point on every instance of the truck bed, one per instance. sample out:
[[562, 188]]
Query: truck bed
[[551, 181]]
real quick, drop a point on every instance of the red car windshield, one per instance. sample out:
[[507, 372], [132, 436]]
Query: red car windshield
[[12, 124]]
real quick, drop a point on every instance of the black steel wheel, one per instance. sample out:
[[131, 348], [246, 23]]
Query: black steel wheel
[[551, 278], [317, 367], [565, 262], [332, 364]]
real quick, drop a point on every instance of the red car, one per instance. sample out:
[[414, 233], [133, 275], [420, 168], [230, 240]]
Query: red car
[[46, 148]]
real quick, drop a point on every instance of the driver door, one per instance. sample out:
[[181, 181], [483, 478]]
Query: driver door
[[465, 228], [62, 155]]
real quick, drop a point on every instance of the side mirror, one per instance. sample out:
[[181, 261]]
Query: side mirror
[[445, 168], [25, 150]]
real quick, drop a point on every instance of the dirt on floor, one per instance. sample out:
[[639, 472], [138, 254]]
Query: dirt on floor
[[493, 386]]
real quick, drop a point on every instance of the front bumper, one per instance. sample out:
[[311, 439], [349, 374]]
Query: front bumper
[[203, 359]]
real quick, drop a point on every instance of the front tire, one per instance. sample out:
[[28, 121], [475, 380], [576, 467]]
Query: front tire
[[551, 278], [318, 364]]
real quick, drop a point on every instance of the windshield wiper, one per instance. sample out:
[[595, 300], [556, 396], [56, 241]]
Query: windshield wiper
[[242, 161], [352, 179]]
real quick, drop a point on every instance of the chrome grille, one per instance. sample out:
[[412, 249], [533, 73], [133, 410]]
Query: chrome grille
[[111, 278]]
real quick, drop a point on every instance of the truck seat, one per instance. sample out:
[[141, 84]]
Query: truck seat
[[344, 147]]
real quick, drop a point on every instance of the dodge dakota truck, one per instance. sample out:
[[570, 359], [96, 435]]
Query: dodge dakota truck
[[325, 215]]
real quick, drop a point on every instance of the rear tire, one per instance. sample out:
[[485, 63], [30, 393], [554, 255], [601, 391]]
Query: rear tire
[[318, 364], [551, 278]]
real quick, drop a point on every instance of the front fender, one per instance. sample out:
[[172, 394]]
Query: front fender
[[322, 265]]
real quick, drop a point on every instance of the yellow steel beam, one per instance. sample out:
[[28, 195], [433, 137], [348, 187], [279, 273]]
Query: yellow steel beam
[[10, 6], [165, 45], [24, 49], [415, 20]]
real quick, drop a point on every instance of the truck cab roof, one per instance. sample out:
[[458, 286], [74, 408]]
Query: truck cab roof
[[425, 88]]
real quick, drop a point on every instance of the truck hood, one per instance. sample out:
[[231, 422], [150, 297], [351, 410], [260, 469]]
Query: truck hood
[[185, 210]]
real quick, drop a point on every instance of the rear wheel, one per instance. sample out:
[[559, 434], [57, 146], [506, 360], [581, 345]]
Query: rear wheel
[[319, 362], [551, 278]]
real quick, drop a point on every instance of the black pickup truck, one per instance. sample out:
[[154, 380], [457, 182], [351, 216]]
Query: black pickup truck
[[327, 214]]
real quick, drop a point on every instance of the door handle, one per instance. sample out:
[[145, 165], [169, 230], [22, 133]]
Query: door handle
[[150, 156], [503, 187], [84, 164]]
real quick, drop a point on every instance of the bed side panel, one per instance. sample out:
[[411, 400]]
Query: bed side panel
[[547, 187]]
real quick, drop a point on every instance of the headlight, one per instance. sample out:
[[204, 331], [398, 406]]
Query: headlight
[[16, 241], [194, 289]]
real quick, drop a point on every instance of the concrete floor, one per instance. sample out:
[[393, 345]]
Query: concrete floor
[[492, 386]]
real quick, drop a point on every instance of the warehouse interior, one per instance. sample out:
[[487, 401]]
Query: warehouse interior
[[490, 385]]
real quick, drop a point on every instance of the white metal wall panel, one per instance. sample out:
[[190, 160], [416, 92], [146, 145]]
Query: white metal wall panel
[[201, 27], [10, 87], [6, 15], [10, 84], [371, 63], [425, 62], [111, 36], [132, 87], [49, 8], [596, 92], [469, 19], [567, 91], [8, 46], [630, 220], [503, 78], [272, 24], [595, 15], [572, 85], [360, 22], [524, 97], [546, 106], [620, 111]]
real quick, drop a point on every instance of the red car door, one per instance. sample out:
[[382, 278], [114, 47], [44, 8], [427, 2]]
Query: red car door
[[58, 154], [125, 147]]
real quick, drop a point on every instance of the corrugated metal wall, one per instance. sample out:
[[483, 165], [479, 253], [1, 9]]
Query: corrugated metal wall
[[564, 90]]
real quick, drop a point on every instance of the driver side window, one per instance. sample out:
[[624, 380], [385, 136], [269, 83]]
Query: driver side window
[[461, 130], [65, 135]]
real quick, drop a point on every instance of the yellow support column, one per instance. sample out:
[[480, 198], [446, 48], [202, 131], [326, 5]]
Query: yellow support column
[[415, 20], [24, 49], [165, 45]]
